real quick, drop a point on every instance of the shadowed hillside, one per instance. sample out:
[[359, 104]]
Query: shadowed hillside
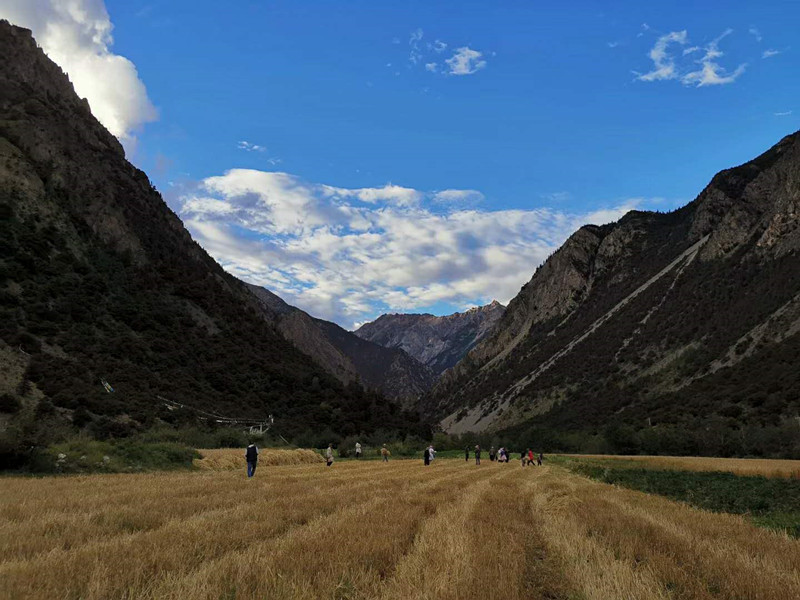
[[679, 331], [99, 280], [348, 357]]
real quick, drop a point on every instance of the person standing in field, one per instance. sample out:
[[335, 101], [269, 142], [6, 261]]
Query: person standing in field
[[523, 458], [426, 456], [432, 452], [358, 450], [385, 453], [466, 454], [477, 454], [329, 455], [530, 457], [541, 458], [251, 456], [491, 454]]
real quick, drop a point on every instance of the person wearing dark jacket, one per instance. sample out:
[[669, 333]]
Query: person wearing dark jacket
[[426, 456], [251, 455], [477, 454], [466, 454]]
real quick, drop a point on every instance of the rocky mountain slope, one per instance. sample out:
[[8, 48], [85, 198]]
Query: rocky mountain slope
[[99, 280], [689, 320], [346, 356], [438, 342]]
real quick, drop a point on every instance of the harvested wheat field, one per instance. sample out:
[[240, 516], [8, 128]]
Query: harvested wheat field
[[740, 466], [376, 530], [222, 459]]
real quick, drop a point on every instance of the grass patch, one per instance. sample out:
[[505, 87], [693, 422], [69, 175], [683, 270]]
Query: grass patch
[[769, 502], [83, 455]]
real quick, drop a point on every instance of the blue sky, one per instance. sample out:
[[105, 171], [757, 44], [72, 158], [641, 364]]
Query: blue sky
[[363, 157]]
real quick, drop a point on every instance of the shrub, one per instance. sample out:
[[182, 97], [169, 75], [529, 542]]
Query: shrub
[[82, 455], [105, 428], [9, 403]]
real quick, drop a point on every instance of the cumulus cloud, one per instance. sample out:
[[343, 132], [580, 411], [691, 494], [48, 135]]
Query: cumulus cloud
[[465, 61], [666, 65], [348, 254], [76, 34]]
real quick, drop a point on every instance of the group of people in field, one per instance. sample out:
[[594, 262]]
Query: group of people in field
[[502, 455]]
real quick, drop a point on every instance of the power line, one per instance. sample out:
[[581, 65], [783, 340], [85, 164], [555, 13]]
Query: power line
[[262, 424]]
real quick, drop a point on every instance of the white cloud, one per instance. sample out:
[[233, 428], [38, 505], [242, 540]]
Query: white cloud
[[785, 113], [76, 34], [250, 147], [770, 53], [663, 62], [465, 61], [612, 44], [415, 54], [755, 33], [393, 194], [710, 72], [348, 254]]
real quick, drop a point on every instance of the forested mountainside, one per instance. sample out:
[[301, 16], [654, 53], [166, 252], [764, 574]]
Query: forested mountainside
[[348, 357], [99, 280], [680, 331], [438, 342]]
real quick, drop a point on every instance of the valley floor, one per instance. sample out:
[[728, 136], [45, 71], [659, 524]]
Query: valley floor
[[377, 531]]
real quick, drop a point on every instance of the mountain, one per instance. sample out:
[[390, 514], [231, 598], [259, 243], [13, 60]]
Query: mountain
[[99, 280], [438, 342], [659, 324], [346, 356]]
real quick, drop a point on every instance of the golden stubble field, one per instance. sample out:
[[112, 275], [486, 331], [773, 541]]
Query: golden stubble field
[[376, 530], [740, 466]]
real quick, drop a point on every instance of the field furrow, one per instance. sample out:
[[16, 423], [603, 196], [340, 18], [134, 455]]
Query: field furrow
[[377, 531]]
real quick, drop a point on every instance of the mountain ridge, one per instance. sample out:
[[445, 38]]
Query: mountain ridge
[[100, 281], [610, 293], [348, 357], [436, 341]]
